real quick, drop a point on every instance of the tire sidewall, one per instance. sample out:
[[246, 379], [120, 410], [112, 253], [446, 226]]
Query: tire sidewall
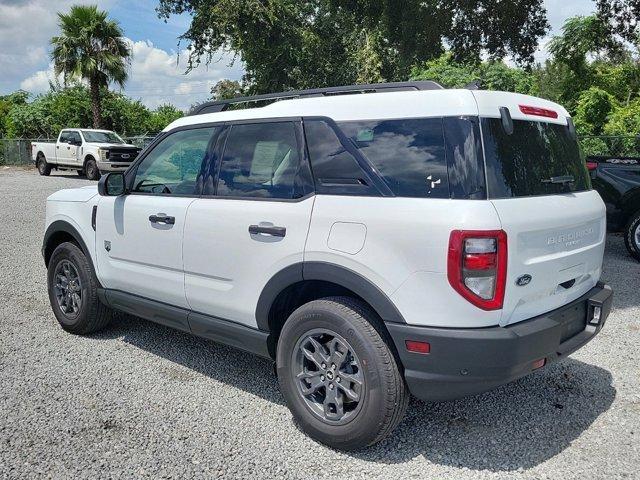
[[71, 253], [91, 170], [313, 316], [42, 165], [629, 236]]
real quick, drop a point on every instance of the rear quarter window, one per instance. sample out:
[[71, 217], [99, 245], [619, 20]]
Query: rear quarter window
[[409, 154]]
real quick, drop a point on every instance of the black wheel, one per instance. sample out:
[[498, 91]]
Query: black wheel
[[43, 167], [338, 374], [632, 236], [73, 291], [91, 170]]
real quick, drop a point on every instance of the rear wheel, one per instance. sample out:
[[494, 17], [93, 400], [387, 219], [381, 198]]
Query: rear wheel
[[73, 291], [632, 235], [43, 167], [91, 170], [338, 374]]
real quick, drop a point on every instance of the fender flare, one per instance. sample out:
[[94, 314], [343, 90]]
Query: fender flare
[[62, 226], [328, 272]]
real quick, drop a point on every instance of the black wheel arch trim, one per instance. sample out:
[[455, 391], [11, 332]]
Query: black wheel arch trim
[[328, 272], [62, 226]]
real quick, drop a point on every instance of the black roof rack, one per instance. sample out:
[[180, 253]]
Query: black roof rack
[[222, 105]]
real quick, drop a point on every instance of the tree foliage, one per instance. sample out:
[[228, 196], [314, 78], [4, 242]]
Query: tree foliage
[[70, 107], [91, 47], [622, 16], [292, 44]]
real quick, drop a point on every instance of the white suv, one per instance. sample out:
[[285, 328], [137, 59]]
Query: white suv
[[410, 239]]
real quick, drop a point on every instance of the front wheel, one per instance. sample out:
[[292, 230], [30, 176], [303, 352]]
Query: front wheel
[[338, 374], [91, 170], [43, 167], [73, 291], [632, 235]]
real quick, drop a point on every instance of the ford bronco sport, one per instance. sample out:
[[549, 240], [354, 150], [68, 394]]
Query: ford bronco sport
[[373, 241]]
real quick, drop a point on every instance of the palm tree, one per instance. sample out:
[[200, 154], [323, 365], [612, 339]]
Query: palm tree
[[93, 48]]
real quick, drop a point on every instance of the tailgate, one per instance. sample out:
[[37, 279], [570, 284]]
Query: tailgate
[[557, 240]]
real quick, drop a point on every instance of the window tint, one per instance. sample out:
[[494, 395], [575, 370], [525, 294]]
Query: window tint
[[64, 137], [173, 164], [408, 153], [260, 160], [464, 157], [75, 137], [332, 164], [522, 164]]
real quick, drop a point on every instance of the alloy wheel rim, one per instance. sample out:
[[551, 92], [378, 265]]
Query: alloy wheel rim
[[637, 235], [41, 165], [328, 376], [67, 289]]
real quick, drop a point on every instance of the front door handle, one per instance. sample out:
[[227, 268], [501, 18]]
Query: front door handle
[[267, 230], [162, 218]]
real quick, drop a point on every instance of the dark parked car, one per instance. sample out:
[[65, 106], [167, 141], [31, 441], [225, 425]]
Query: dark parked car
[[617, 179]]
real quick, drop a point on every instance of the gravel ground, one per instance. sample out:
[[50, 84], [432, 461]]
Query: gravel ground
[[142, 400]]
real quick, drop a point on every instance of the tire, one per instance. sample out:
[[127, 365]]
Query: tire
[[69, 262], [632, 235], [91, 169], [373, 407], [43, 167]]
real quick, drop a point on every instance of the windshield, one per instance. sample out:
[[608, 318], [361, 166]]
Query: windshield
[[101, 137], [538, 158]]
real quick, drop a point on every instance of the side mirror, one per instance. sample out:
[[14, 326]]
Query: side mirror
[[112, 185]]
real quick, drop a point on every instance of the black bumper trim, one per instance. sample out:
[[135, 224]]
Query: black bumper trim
[[469, 361]]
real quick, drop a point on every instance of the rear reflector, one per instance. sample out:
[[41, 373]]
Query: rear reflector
[[538, 364], [538, 111], [417, 347], [592, 166]]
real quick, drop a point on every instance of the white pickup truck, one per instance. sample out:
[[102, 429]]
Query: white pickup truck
[[88, 151]]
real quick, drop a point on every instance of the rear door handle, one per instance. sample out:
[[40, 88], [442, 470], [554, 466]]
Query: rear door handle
[[162, 218], [273, 231]]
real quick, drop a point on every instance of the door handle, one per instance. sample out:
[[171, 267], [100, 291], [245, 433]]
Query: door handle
[[162, 218], [273, 231]]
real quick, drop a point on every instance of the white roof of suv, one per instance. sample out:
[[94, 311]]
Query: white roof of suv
[[388, 105]]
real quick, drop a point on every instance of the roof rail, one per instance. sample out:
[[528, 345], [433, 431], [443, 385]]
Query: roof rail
[[222, 105]]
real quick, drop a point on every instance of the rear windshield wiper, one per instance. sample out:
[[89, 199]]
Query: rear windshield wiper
[[561, 180]]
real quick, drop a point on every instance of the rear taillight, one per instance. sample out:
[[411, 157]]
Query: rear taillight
[[477, 266], [591, 166]]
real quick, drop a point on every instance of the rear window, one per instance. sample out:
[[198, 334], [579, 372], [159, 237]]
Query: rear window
[[523, 164], [408, 153]]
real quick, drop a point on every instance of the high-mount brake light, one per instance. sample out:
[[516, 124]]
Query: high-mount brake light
[[592, 166], [538, 111], [477, 266]]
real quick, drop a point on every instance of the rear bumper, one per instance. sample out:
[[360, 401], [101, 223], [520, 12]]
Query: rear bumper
[[468, 361]]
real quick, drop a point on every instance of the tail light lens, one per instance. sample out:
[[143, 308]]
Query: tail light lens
[[592, 166], [477, 266]]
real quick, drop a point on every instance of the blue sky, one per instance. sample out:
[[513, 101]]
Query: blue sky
[[156, 76]]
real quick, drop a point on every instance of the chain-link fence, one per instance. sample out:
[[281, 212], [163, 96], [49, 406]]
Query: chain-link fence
[[17, 151]]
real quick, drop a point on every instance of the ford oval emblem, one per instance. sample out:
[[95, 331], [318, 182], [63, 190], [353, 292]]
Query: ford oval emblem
[[523, 280]]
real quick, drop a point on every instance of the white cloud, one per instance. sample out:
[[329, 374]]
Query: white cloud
[[157, 76]]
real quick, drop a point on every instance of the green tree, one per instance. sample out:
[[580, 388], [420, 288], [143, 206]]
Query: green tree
[[290, 44], [226, 89], [93, 48], [622, 17], [161, 117], [593, 109]]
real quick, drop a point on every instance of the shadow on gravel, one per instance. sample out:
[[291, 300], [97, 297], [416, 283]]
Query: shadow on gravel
[[516, 426]]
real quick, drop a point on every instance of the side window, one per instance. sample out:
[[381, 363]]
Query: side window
[[464, 157], [260, 160], [64, 137], [174, 164], [333, 166], [408, 153], [75, 137]]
